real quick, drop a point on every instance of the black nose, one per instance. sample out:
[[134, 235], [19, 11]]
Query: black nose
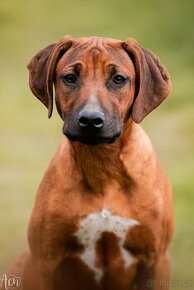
[[92, 119]]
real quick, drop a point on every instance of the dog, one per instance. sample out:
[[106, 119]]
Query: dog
[[103, 215]]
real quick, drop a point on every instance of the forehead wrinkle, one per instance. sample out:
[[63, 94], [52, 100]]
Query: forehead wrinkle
[[81, 52], [73, 54], [94, 56], [98, 47], [100, 62], [94, 53], [76, 64], [96, 42], [119, 55], [99, 51]]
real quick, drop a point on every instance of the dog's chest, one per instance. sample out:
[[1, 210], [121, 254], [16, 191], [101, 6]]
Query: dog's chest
[[92, 230]]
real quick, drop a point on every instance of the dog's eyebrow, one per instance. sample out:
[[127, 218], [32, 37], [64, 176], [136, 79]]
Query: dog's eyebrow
[[113, 68], [112, 65], [75, 66]]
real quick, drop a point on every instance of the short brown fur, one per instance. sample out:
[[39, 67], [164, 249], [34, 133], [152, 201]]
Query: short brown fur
[[124, 177]]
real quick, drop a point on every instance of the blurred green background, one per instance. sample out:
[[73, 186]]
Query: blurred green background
[[29, 139]]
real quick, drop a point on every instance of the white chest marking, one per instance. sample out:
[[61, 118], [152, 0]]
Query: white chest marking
[[90, 231]]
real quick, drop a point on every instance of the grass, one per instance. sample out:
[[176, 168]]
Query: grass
[[28, 139]]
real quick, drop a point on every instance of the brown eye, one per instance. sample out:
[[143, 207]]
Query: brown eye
[[69, 78], [118, 79]]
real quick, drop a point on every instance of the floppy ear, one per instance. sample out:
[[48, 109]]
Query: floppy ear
[[42, 69], [152, 80]]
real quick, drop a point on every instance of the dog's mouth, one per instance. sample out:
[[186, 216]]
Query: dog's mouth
[[92, 140]]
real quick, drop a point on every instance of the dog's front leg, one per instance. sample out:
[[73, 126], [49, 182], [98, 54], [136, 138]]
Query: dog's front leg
[[156, 277], [36, 275]]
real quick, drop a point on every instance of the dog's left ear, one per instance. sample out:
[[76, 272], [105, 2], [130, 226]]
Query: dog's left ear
[[42, 68], [152, 80]]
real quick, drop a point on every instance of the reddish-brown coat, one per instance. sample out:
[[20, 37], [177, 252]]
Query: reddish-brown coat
[[124, 177]]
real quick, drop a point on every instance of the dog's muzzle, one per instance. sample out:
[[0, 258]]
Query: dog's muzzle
[[91, 127]]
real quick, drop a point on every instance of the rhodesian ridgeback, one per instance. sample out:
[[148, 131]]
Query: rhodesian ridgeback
[[102, 218]]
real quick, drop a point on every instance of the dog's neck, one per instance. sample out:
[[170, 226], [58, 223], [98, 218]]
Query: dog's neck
[[101, 164]]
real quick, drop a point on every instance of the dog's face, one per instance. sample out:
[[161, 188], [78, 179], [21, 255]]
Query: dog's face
[[99, 83], [94, 86]]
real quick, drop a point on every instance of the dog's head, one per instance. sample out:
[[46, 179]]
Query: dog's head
[[99, 84]]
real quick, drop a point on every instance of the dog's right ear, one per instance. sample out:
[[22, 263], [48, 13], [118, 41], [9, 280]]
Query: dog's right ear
[[42, 68], [152, 80]]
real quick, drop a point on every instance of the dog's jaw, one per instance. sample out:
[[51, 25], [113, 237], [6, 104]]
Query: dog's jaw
[[92, 140]]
